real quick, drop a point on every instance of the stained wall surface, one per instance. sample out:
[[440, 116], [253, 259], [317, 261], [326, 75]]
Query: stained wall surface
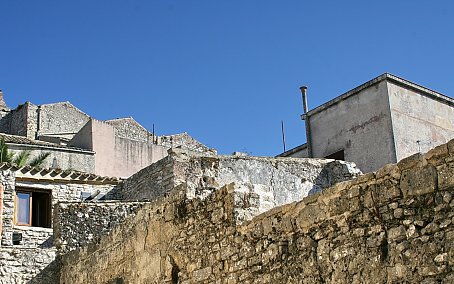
[[360, 125], [420, 122], [391, 226], [117, 156], [62, 158]]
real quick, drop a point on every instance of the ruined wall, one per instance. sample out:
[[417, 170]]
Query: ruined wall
[[360, 125], [420, 122], [272, 181], [391, 226], [34, 256]]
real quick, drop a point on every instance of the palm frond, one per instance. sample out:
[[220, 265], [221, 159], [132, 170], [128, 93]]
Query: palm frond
[[21, 158], [6, 156], [38, 161]]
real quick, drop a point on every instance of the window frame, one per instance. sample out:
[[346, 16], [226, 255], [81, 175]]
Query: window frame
[[30, 191]]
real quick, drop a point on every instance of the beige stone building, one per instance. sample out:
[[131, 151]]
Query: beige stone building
[[117, 147]]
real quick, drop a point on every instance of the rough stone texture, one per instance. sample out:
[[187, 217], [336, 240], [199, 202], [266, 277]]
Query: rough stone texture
[[61, 119], [34, 256], [186, 141], [82, 223], [362, 231], [3, 105], [15, 122], [149, 183], [263, 182], [129, 128], [33, 265], [59, 192]]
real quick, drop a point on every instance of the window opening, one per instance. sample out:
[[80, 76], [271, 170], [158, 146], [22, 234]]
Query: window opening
[[339, 155], [33, 208]]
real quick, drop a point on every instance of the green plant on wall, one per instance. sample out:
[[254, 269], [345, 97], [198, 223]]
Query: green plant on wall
[[22, 158]]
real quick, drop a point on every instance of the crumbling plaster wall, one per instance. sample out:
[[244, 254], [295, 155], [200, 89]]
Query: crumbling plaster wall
[[391, 226], [34, 256], [419, 121], [271, 181]]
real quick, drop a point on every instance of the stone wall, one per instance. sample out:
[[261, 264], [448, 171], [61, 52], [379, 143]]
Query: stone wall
[[392, 226], [186, 142], [272, 181], [128, 128], [147, 184], [82, 223], [15, 122], [36, 236], [31, 266], [34, 256], [61, 119]]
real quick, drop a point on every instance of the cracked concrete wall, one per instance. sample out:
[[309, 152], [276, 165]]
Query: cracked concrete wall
[[391, 226]]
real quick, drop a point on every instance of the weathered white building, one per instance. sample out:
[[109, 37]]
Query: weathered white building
[[382, 121]]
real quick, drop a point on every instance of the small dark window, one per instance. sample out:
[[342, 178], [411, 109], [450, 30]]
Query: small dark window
[[33, 208], [339, 155]]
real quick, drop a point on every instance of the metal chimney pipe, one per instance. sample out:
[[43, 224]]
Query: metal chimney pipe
[[303, 90], [305, 117]]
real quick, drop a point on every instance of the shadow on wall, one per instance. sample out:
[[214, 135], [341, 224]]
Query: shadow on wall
[[47, 243], [332, 173], [49, 275]]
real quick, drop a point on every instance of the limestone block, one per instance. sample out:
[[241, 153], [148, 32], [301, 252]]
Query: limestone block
[[419, 181], [436, 155], [445, 176], [411, 161]]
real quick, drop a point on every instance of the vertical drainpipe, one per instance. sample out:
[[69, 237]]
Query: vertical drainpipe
[[305, 117]]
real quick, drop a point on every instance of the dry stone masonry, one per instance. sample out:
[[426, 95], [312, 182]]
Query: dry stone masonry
[[392, 226], [260, 184]]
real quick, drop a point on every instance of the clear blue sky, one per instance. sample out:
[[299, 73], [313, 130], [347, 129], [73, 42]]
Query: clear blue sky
[[226, 72]]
